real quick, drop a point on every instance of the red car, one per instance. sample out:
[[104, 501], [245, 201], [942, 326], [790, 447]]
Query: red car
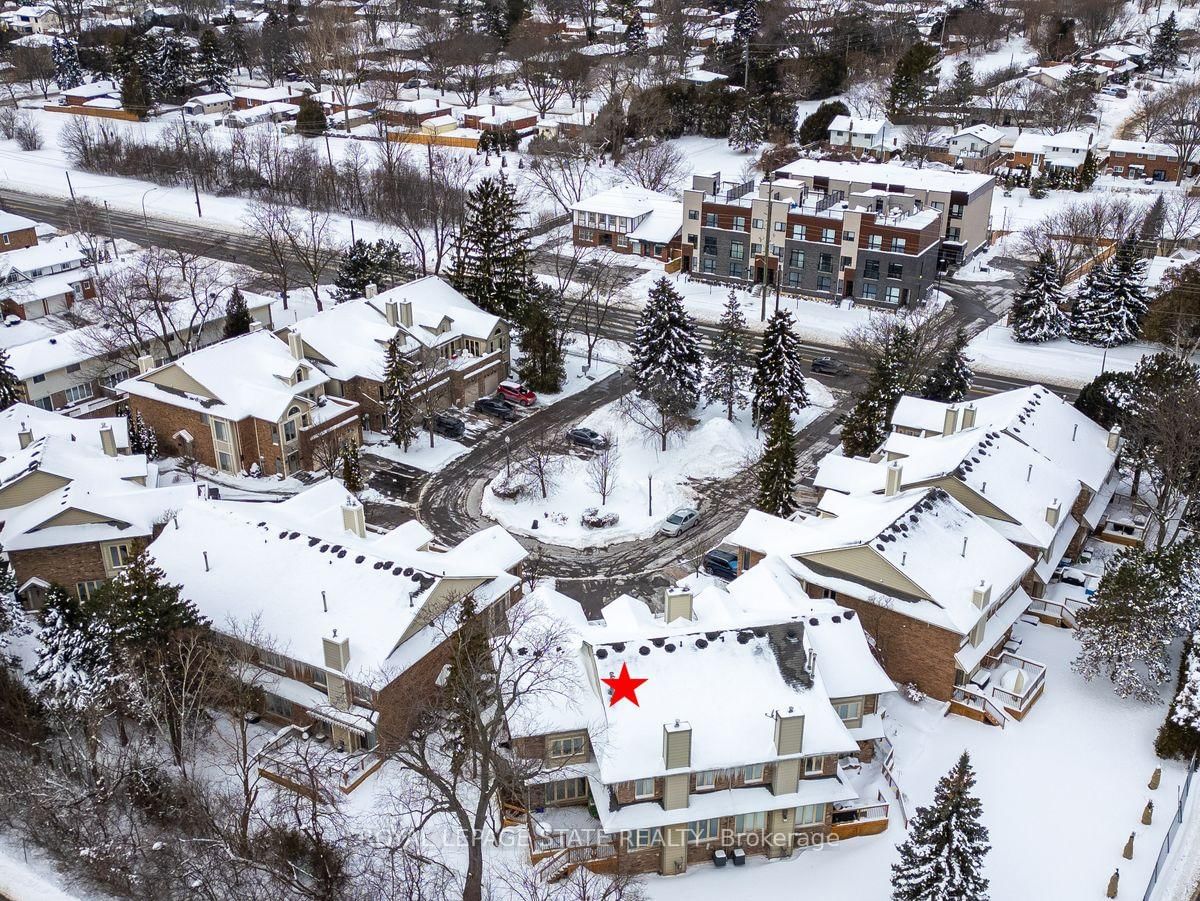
[[516, 393]]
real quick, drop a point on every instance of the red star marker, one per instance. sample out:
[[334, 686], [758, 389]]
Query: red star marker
[[623, 686]]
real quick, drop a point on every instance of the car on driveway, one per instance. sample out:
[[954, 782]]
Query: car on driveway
[[445, 424], [494, 406], [721, 564], [830, 366], [1068, 575], [679, 522], [516, 393], [584, 437]]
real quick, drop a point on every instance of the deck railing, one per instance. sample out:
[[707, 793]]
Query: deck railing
[[973, 699]]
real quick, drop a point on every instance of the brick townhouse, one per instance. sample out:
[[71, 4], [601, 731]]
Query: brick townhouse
[[22, 424], [734, 744], [470, 348], [16, 232], [45, 465], [40, 279], [628, 219], [351, 624]]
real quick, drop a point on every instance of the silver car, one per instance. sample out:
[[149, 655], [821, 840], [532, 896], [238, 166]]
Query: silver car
[[680, 521]]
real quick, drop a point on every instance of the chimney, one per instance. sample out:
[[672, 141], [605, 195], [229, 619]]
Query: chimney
[[405, 308], [337, 652], [25, 437], [1053, 511], [981, 595], [950, 423], [679, 604], [1114, 438], [108, 441], [256, 326], [677, 745], [789, 732], [894, 470], [968, 417], [145, 363], [354, 518], [295, 344], [391, 309], [372, 289]]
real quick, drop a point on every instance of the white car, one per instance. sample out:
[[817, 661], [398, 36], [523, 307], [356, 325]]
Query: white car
[[682, 520]]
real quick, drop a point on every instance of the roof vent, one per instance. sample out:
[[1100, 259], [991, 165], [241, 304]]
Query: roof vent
[[744, 637], [848, 615], [670, 649], [644, 651], [618, 645], [813, 621], [701, 643], [601, 654]]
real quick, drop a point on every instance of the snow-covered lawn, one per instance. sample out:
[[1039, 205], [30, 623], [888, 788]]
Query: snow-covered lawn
[[1061, 791], [419, 454], [35, 880], [714, 448], [1059, 362]]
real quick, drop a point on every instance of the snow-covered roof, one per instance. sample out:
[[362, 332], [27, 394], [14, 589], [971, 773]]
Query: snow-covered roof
[[267, 95], [859, 126], [498, 114], [1141, 148], [349, 339], [432, 300], [11, 222], [986, 133], [928, 179], [71, 460], [627, 200], [209, 99], [43, 423], [58, 252], [1034, 142]]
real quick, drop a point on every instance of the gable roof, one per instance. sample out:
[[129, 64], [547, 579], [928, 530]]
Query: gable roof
[[44, 423], [73, 461]]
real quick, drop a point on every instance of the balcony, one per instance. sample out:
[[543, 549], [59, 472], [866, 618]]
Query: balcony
[[851, 821], [1015, 682], [305, 762]]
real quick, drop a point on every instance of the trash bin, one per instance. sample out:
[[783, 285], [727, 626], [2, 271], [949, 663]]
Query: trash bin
[[720, 858], [739, 857]]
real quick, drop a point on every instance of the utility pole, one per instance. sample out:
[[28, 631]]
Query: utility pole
[[74, 202], [187, 136], [111, 237], [767, 248]]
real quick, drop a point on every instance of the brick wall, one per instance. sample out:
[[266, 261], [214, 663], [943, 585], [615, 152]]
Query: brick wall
[[19, 239], [65, 566], [167, 419]]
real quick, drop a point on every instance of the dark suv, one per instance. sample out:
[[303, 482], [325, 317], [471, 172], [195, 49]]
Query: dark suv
[[830, 366], [721, 564], [493, 406], [585, 437], [445, 424]]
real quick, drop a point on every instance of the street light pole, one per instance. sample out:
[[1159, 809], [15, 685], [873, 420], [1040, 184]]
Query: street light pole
[[766, 245]]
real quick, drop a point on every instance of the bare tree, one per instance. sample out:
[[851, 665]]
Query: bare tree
[[660, 418], [422, 195], [32, 66], [1177, 122], [933, 335], [314, 245], [920, 137], [541, 460], [654, 165], [267, 222], [334, 51], [563, 171], [1181, 218], [1081, 229], [470, 59], [603, 467], [539, 67]]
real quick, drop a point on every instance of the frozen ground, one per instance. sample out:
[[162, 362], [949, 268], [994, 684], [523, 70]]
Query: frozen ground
[[1059, 362], [714, 448], [35, 879], [1061, 792]]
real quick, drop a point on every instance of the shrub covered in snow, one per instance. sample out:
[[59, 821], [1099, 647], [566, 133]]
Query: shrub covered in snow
[[912, 693], [510, 488], [592, 518]]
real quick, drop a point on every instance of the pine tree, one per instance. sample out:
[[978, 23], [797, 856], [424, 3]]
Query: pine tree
[[815, 126], [351, 467], [942, 858], [491, 253], [635, 33], [1113, 300], [962, 88], [1089, 322], [237, 315], [1036, 314], [747, 127], [542, 364], [1085, 175], [74, 668], [144, 611], [746, 24], [142, 439], [212, 65], [135, 95], [913, 78], [779, 370], [401, 407], [726, 381], [951, 377], [12, 615], [67, 71], [10, 385], [1186, 710], [866, 425], [381, 263], [1164, 52], [777, 469], [667, 362], [175, 67], [310, 119]]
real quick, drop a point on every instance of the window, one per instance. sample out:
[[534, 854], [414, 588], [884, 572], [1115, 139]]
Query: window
[[780, 226], [956, 211], [44, 403], [847, 236], [710, 220], [643, 788], [39, 378], [752, 773], [289, 430], [825, 263], [737, 250], [319, 678], [278, 706], [796, 259], [739, 223], [937, 205], [77, 393], [225, 461], [706, 779], [953, 233], [118, 556], [566, 790], [703, 830], [750, 822], [849, 710], [710, 245], [220, 429], [810, 815], [643, 838], [870, 292], [874, 242], [814, 766], [693, 214], [86, 589], [756, 248], [897, 245], [570, 746], [793, 278], [871, 269], [829, 236], [776, 251], [824, 283], [74, 367], [798, 232], [895, 270], [737, 270], [758, 223]]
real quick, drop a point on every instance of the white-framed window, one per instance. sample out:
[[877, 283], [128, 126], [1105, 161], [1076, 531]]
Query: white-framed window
[[568, 746], [220, 429], [289, 430], [86, 589], [118, 556], [643, 838], [76, 393], [224, 462], [319, 678], [706, 779], [810, 814], [643, 788], [893, 295], [814, 766], [752, 773], [750, 822], [849, 710], [703, 830], [829, 235], [566, 790]]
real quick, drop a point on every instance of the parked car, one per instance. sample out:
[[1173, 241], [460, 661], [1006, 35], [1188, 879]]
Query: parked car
[[494, 406], [1115, 91], [416, 83], [1072, 576], [830, 366], [516, 393], [587, 438], [682, 520], [722, 564], [445, 424]]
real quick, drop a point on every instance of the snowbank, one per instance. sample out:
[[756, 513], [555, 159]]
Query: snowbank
[[1060, 362]]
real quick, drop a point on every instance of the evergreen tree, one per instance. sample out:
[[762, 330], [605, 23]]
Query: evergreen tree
[[635, 33], [746, 24], [866, 425], [777, 469], [815, 126], [667, 362], [942, 858], [135, 95], [747, 127], [142, 439], [491, 253], [235, 38], [1089, 322], [951, 377], [1151, 229], [74, 668], [275, 45], [779, 370], [1113, 300], [1164, 52], [541, 365], [212, 66], [963, 87], [381, 263], [1085, 175], [237, 315], [351, 467], [913, 78], [401, 407], [310, 119], [1036, 314], [143, 610], [10, 385], [727, 378], [175, 69], [67, 71], [1105, 398], [12, 615], [1179, 736]]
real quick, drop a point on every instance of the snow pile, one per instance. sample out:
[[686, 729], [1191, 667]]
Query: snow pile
[[1058, 362]]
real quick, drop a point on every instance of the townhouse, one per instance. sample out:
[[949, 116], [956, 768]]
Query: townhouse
[[470, 349], [733, 747], [22, 424], [41, 279], [1036, 152], [351, 626], [628, 219], [1146, 159], [253, 403], [48, 464], [16, 232]]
